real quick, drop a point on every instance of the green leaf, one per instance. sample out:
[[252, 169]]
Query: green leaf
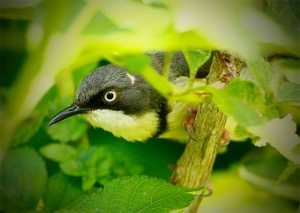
[[100, 164], [70, 129], [241, 100], [138, 194], [289, 92], [62, 192], [97, 166], [195, 60], [22, 180], [58, 152], [72, 167], [247, 92], [262, 72]]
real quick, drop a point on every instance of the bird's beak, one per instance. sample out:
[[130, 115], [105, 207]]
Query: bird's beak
[[67, 112]]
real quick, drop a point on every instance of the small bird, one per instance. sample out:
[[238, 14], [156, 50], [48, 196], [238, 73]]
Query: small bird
[[127, 106]]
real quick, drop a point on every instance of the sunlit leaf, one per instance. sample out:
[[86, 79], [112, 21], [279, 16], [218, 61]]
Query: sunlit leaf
[[138, 194]]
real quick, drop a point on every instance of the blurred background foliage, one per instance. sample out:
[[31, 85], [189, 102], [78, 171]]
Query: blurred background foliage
[[47, 47]]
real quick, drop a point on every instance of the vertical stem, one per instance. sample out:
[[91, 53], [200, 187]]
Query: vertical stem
[[196, 163]]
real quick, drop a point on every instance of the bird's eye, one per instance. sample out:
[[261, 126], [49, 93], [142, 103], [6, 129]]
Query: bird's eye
[[110, 96]]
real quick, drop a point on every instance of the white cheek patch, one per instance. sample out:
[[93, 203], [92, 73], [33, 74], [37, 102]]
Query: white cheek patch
[[132, 78], [130, 127]]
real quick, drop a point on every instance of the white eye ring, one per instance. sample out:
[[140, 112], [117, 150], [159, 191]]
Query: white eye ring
[[110, 96]]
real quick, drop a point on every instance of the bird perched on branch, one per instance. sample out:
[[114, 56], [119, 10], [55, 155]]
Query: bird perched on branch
[[127, 106]]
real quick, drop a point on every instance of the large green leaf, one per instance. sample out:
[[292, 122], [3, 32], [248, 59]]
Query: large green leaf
[[138, 194]]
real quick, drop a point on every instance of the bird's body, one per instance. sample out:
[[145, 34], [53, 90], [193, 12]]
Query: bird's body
[[124, 104]]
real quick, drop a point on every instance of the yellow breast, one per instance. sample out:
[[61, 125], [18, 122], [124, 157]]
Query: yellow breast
[[130, 127]]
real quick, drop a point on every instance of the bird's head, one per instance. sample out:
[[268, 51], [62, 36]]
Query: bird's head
[[116, 101]]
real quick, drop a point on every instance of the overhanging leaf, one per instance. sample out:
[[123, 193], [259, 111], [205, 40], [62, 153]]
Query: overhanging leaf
[[138, 194], [195, 59]]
